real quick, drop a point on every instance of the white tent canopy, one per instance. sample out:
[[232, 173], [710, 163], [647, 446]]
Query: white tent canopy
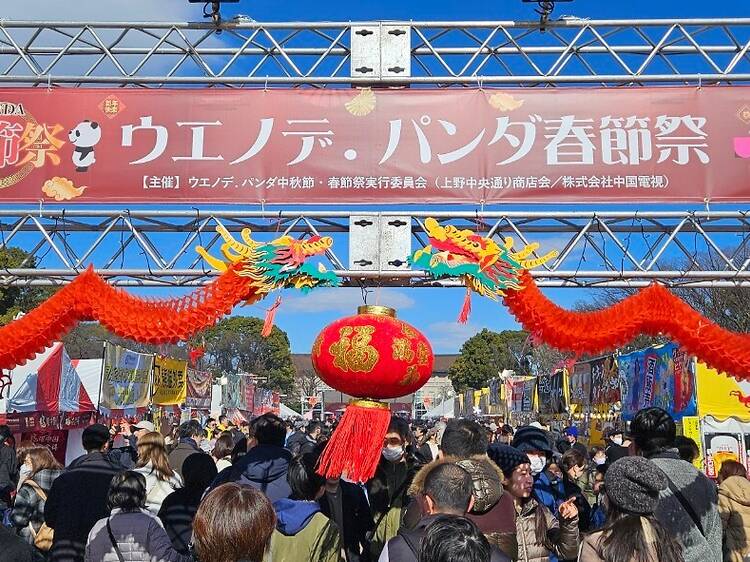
[[286, 412], [442, 410]]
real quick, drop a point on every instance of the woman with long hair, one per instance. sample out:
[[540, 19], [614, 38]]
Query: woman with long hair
[[153, 463], [222, 451], [632, 533], [130, 532], [28, 511], [233, 523]]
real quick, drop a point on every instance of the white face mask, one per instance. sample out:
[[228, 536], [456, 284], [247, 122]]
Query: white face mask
[[537, 464], [617, 440], [600, 460], [393, 454]]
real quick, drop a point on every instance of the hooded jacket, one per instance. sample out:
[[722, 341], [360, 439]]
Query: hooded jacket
[[734, 510], [404, 547], [264, 467], [493, 510], [699, 545], [303, 533], [562, 536], [156, 488]]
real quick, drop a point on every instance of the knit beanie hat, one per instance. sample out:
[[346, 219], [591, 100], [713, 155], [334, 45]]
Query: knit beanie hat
[[633, 484], [506, 457], [531, 439]]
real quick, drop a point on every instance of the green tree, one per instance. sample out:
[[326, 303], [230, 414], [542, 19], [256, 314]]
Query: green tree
[[235, 345], [15, 299], [484, 356], [85, 341]]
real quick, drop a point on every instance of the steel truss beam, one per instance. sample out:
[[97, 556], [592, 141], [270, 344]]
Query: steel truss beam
[[607, 249], [469, 53]]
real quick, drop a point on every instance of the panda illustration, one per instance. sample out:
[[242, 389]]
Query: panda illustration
[[84, 137]]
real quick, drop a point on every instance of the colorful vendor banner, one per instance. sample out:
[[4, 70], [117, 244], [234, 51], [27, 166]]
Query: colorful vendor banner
[[661, 376], [529, 390], [551, 393], [198, 389], [374, 146], [722, 396], [579, 382], [605, 381], [126, 377], [170, 381]]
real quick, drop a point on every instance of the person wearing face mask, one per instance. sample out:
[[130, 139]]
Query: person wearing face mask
[[541, 536], [548, 488], [618, 446], [387, 491]]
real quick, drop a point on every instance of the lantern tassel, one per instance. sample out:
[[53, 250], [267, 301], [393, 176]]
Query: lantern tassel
[[463, 317], [270, 315], [354, 448]]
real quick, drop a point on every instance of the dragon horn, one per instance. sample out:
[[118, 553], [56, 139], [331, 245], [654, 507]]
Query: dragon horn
[[530, 264], [218, 265], [526, 252]]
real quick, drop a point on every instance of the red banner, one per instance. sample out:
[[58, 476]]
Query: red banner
[[579, 145], [41, 421], [55, 439]]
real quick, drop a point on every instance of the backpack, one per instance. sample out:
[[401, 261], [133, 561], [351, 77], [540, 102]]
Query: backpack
[[43, 537]]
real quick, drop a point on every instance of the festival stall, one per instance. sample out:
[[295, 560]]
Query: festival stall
[[48, 403]]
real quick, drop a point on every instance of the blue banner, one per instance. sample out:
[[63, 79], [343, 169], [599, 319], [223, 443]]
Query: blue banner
[[661, 376]]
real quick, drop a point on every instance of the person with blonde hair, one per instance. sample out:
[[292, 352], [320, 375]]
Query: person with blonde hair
[[153, 463]]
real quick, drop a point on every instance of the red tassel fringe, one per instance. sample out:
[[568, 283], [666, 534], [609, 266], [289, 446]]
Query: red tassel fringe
[[270, 316], [463, 317], [355, 446]]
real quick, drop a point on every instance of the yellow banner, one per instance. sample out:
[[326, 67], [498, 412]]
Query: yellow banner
[[722, 396], [170, 381], [691, 428]]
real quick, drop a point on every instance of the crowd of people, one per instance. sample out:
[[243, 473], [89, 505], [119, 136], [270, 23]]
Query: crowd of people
[[455, 491]]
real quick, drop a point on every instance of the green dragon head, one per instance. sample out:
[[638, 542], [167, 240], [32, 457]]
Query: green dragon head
[[485, 266], [281, 263]]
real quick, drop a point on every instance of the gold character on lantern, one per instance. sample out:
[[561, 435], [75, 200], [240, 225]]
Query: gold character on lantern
[[423, 354], [402, 350], [410, 377], [408, 332], [353, 352]]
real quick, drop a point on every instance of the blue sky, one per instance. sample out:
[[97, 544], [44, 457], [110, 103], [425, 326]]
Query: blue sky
[[431, 310]]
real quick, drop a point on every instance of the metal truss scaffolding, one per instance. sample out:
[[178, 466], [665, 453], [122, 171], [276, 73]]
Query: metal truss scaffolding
[[609, 249], [596, 249], [469, 53]]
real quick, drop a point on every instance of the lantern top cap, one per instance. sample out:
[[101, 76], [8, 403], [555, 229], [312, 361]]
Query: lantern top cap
[[377, 309]]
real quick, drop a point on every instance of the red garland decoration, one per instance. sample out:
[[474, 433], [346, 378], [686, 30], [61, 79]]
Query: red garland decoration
[[89, 297], [653, 310]]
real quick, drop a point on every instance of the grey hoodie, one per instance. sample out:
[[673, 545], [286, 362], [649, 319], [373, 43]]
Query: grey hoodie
[[701, 493]]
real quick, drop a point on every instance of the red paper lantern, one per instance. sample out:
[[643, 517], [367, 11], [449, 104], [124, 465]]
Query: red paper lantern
[[372, 356]]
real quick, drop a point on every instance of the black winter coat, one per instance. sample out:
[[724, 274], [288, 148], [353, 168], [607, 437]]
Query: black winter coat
[[8, 474], [77, 500], [355, 522], [177, 513]]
